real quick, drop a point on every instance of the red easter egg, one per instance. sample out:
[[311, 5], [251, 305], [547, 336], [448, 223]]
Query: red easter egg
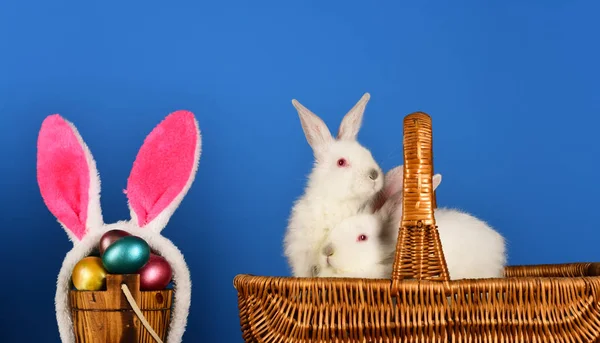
[[156, 274], [109, 237]]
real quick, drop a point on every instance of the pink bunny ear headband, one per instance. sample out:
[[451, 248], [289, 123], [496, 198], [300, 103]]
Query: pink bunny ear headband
[[162, 173]]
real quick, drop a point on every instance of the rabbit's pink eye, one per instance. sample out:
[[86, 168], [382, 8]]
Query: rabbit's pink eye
[[341, 162], [361, 238]]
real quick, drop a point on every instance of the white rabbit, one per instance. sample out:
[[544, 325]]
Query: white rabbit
[[162, 173], [364, 245], [357, 247], [344, 179]]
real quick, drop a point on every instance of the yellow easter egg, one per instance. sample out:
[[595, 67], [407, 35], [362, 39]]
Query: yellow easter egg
[[89, 274]]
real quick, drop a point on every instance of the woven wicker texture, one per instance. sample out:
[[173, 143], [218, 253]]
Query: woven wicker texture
[[539, 303], [419, 252]]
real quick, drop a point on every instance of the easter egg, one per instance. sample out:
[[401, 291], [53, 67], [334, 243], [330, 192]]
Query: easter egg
[[89, 274], [109, 237], [126, 255], [156, 274]]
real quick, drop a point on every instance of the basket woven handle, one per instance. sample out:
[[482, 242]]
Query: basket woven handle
[[419, 252]]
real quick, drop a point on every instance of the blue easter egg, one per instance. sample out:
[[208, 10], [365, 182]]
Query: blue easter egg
[[126, 255]]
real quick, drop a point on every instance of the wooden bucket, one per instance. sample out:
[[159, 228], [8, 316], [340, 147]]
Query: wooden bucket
[[107, 317]]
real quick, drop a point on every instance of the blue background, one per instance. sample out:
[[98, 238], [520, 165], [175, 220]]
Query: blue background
[[512, 86]]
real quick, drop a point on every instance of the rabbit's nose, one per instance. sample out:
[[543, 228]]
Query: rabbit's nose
[[328, 250], [373, 174]]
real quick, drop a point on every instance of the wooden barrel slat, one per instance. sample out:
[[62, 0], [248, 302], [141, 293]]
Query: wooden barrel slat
[[107, 317]]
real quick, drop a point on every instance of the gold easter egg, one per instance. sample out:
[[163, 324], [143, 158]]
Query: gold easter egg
[[89, 274]]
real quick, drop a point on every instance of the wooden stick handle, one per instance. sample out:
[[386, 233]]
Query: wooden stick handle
[[419, 252], [138, 313]]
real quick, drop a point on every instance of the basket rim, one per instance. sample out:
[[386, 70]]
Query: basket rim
[[239, 277], [585, 269]]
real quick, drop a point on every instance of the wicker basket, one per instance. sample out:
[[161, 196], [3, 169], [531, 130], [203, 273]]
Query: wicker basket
[[537, 303], [107, 317]]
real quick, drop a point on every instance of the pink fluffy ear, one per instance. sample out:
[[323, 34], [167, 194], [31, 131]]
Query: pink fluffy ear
[[164, 170], [392, 184], [67, 177]]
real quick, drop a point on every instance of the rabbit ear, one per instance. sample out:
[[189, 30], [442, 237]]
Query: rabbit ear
[[316, 132], [164, 170], [67, 177], [437, 179], [391, 213], [353, 119], [392, 184]]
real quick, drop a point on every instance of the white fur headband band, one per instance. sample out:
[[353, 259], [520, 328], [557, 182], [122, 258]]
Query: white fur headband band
[[162, 173]]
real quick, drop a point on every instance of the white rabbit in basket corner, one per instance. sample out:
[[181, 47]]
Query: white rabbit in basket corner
[[344, 179], [162, 173], [363, 246]]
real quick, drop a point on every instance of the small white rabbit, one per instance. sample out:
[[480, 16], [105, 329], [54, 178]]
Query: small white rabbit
[[364, 245], [344, 179], [162, 173], [358, 247]]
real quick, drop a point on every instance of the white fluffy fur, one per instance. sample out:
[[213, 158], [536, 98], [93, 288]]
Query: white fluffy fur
[[343, 255], [332, 192], [472, 249], [96, 228]]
